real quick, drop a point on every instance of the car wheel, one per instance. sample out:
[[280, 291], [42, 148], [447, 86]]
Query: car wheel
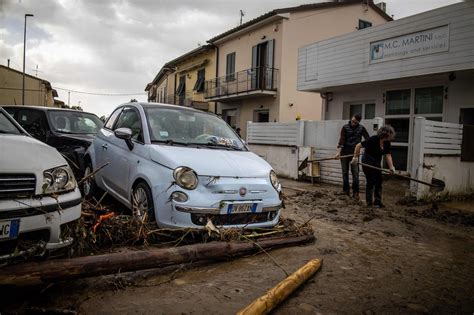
[[142, 202], [89, 187]]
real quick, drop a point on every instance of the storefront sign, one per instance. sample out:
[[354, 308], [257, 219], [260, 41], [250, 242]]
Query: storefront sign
[[421, 43]]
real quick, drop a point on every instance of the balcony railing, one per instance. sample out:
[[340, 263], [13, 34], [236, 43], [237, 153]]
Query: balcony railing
[[185, 99], [253, 79]]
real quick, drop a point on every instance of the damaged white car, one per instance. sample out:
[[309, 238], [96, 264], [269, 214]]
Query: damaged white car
[[38, 193], [182, 167]]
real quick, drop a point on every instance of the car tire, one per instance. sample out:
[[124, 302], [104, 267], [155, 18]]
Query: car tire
[[88, 187], [142, 202]]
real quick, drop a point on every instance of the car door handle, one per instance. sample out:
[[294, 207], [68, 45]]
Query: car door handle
[[105, 146]]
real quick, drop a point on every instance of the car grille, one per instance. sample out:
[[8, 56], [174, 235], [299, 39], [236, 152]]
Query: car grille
[[234, 219], [17, 185]]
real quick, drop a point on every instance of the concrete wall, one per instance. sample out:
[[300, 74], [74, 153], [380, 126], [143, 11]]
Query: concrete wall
[[303, 28], [458, 176], [36, 93], [283, 159]]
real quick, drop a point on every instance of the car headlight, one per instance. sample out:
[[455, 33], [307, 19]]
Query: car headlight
[[274, 180], [58, 179], [185, 177]]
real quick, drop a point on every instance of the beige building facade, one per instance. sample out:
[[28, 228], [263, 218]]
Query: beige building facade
[[258, 61], [37, 91], [182, 80]]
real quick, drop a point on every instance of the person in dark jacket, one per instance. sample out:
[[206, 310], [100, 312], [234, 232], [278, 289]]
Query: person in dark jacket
[[374, 148], [351, 135]]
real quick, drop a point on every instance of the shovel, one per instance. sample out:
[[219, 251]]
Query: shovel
[[435, 186]]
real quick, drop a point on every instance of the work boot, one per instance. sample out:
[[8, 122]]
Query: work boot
[[355, 196], [379, 204]]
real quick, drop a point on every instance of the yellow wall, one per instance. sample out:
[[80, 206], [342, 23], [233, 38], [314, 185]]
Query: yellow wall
[[11, 83], [188, 69]]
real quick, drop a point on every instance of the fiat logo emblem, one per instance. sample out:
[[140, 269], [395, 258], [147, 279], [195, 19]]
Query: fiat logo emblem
[[242, 191]]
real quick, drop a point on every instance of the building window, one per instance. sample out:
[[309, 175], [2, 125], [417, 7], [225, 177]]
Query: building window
[[261, 116], [182, 86], [230, 67], [398, 102], [429, 100], [199, 86], [364, 24], [367, 110]]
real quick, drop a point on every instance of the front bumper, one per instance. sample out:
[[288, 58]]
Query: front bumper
[[42, 214], [209, 200]]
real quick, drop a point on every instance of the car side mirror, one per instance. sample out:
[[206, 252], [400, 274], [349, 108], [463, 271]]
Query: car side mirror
[[125, 134]]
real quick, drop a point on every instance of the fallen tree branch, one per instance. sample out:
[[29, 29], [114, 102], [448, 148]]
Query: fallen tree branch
[[89, 266]]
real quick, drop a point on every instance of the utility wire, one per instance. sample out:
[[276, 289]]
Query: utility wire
[[101, 94]]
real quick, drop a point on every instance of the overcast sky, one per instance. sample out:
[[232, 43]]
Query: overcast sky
[[117, 47]]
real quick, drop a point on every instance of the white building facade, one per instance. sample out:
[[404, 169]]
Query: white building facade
[[419, 66]]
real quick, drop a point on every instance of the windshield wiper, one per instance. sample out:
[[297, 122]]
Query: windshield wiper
[[220, 145], [170, 142]]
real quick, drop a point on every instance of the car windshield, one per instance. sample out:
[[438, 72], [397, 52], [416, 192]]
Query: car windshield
[[74, 122], [6, 126], [186, 127]]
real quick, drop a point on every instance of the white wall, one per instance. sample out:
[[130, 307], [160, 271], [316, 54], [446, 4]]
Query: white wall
[[345, 60], [283, 159], [458, 176]]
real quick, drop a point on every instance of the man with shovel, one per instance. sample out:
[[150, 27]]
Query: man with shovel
[[351, 135]]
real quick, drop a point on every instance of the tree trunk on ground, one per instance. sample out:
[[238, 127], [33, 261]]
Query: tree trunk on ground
[[67, 269]]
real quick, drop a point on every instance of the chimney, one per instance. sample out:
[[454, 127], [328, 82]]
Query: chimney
[[382, 5], [8, 63]]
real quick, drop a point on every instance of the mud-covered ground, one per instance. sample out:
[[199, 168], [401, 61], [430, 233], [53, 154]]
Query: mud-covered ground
[[406, 258]]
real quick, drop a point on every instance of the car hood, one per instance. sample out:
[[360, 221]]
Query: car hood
[[211, 162], [25, 154]]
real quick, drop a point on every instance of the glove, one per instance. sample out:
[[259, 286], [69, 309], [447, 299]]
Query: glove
[[392, 170], [338, 153], [355, 161]]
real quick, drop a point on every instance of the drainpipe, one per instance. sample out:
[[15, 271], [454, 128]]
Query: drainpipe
[[217, 74]]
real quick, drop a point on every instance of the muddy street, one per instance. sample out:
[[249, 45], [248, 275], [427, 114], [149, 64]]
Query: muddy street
[[405, 258]]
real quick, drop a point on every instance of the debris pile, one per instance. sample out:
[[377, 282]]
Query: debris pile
[[100, 230]]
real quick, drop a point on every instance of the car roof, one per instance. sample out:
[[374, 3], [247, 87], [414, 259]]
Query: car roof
[[45, 109], [161, 105]]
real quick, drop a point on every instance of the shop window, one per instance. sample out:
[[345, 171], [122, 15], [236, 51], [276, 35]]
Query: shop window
[[402, 128], [397, 102], [429, 100]]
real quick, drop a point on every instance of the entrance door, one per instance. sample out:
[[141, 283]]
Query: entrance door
[[230, 117], [467, 116]]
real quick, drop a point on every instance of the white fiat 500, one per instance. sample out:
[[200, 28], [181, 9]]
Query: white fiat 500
[[182, 167], [38, 192]]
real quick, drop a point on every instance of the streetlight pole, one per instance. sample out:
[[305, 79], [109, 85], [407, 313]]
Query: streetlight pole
[[24, 54]]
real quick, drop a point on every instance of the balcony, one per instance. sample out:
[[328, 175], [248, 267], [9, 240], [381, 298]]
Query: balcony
[[248, 83], [189, 98]]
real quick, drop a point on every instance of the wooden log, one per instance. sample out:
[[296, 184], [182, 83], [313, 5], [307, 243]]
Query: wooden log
[[33, 273], [267, 302]]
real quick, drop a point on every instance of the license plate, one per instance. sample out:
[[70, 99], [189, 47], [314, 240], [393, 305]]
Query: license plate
[[9, 229], [241, 208]]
